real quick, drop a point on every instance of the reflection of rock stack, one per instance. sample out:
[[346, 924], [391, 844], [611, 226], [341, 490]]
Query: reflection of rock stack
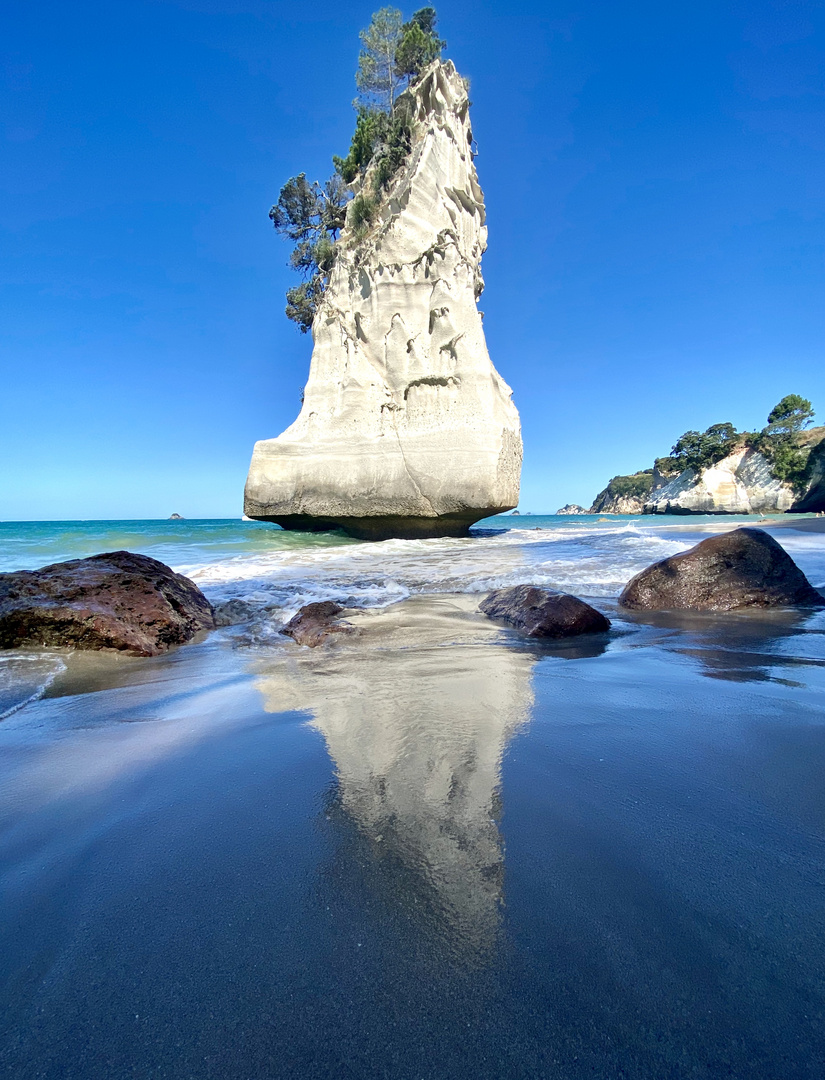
[[417, 734]]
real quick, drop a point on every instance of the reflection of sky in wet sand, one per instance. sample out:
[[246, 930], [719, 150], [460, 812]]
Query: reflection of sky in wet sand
[[417, 730], [745, 646]]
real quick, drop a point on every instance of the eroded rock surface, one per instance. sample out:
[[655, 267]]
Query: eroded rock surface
[[116, 600], [741, 483], [618, 504], [739, 569], [316, 623], [813, 499], [406, 428], [541, 613]]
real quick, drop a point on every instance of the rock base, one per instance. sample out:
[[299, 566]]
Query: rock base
[[385, 527], [315, 623]]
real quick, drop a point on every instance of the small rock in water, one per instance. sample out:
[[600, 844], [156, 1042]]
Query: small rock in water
[[542, 613], [738, 569], [314, 623], [233, 612], [116, 600]]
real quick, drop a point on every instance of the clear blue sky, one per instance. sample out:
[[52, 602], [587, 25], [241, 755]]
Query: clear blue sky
[[655, 183]]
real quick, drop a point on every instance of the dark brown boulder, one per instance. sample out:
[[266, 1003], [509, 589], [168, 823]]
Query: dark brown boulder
[[314, 623], [541, 613], [116, 600], [739, 569]]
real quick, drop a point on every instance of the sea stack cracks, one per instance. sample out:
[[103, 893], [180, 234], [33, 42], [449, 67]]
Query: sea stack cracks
[[406, 428]]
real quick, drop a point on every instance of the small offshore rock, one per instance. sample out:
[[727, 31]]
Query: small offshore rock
[[570, 508], [542, 613], [176, 517], [314, 623], [739, 569], [116, 600]]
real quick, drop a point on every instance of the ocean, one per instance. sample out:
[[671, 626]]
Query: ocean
[[270, 573], [275, 572]]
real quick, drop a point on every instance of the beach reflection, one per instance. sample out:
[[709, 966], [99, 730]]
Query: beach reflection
[[780, 645], [416, 713]]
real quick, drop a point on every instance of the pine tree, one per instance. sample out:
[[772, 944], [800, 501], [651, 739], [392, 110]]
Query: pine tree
[[377, 79], [419, 44]]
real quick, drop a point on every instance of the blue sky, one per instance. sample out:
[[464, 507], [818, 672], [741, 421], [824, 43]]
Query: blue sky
[[655, 185]]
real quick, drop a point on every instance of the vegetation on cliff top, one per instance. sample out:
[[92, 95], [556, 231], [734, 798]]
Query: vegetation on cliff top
[[635, 486], [393, 53], [781, 442]]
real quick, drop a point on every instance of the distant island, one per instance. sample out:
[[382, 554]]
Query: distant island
[[725, 471]]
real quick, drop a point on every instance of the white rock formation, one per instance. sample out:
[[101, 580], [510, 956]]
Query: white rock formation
[[406, 428], [741, 483]]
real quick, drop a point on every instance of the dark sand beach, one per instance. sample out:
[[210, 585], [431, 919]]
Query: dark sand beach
[[432, 850]]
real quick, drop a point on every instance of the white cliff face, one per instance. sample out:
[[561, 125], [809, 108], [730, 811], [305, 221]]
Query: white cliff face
[[406, 428], [620, 504], [741, 483]]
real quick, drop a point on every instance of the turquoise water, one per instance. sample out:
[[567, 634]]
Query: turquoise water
[[26, 545], [273, 572], [257, 575]]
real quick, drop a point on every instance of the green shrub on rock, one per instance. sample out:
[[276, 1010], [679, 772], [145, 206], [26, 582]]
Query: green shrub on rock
[[311, 216]]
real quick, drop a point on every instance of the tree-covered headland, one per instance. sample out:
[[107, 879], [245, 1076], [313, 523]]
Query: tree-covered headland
[[311, 216], [780, 441]]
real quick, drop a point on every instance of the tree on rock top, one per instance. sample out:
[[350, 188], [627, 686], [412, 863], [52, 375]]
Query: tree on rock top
[[790, 415], [419, 44], [310, 215], [393, 51], [376, 78], [779, 439]]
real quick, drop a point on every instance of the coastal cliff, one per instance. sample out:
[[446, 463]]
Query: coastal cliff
[[741, 483], [743, 479], [624, 494], [406, 428]]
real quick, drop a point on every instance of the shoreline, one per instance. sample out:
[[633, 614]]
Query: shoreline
[[720, 522], [436, 812]]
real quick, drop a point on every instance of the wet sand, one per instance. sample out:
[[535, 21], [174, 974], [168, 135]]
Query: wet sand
[[722, 524], [433, 850]]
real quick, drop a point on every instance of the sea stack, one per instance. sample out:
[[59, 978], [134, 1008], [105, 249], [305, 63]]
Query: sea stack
[[406, 428]]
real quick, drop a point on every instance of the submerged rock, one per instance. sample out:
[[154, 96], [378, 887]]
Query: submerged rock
[[314, 623], [116, 600], [541, 613], [739, 569], [406, 428]]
